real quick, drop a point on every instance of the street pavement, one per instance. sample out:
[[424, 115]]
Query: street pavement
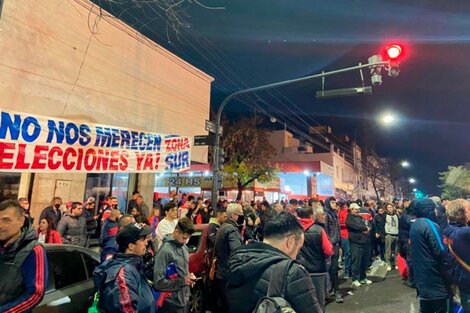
[[387, 294]]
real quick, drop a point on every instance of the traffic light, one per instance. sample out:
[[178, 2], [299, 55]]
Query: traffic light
[[394, 53]]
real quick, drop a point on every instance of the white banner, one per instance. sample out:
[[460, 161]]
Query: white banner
[[42, 144]]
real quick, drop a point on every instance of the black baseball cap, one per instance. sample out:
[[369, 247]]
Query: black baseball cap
[[131, 233]]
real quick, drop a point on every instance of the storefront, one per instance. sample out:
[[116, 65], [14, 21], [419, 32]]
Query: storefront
[[296, 180]]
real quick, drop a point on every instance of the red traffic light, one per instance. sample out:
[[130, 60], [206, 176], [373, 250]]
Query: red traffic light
[[394, 51]]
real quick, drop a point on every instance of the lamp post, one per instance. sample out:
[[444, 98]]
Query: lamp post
[[375, 64]]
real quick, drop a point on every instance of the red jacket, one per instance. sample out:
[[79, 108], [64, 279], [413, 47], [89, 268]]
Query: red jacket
[[54, 236], [343, 214]]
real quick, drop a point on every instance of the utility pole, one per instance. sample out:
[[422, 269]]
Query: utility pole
[[375, 64], [1, 7]]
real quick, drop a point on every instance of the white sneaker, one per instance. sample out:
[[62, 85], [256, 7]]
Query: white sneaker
[[356, 283], [389, 268], [366, 281]]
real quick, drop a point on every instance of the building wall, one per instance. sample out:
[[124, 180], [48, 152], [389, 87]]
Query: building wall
[[52, 64], [342, 171]]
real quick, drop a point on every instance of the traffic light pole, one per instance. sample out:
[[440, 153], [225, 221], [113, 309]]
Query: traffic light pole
[[215, 158]]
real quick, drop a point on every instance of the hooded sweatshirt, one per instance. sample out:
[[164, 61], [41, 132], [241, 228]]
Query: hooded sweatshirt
[[325, 241], [172, 252], [250, 271], [391, 224], [332, 227], [429, 252]]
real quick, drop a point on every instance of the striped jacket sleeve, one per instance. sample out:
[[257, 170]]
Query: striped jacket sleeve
[[127, 282], [34, 273]]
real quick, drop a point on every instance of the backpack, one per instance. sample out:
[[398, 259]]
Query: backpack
[[274, 301]]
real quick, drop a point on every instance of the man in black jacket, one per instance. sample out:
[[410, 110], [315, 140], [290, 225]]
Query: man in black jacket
[[332, 229], [251, 269], [429, 259], [53, 212], [228, 238], [360, 243]]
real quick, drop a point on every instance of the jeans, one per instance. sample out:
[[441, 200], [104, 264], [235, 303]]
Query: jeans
[[359, 256], [346, 256], [319, 282], [381, 245], [221, 305], [334, 268], [391, 242], [435, 306]]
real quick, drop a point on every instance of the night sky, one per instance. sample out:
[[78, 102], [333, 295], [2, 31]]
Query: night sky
[[256, 42]]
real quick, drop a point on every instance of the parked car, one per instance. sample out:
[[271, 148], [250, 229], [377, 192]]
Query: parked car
[[198, 265], [70, 282]]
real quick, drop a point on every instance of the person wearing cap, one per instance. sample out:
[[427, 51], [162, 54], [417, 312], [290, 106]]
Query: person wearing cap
[[121, 281], [360, 244], [174, 255]]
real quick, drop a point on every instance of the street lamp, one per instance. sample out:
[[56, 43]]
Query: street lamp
[[415, 189], [388, 119], [405, 164], [412, 180]]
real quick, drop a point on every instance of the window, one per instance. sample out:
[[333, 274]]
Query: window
[[65, 269], [98, 185], [90, 265], [9, 185]]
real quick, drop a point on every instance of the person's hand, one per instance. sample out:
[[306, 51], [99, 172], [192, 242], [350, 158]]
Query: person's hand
[[377, 235], [190, 280]]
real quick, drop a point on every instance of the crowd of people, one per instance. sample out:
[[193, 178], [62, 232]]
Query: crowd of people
[[290, 249]]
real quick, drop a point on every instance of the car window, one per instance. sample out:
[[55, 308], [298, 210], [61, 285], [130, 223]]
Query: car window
[[194, 241], [90, 265], [65, 268]]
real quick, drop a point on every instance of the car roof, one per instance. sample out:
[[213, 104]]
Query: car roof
[[70, 248]]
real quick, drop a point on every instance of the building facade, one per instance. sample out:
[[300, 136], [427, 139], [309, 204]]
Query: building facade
[[55, 65]]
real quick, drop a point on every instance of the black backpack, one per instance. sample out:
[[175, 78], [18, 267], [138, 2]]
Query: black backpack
[[274, 301]]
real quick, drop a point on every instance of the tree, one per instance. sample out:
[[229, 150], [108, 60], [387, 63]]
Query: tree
[[378, 171], [455, 182], [248, 153]]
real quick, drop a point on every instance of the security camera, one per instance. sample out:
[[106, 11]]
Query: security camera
[[376, 79]]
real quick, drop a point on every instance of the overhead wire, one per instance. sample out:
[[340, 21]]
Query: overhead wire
[[210, 51]]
